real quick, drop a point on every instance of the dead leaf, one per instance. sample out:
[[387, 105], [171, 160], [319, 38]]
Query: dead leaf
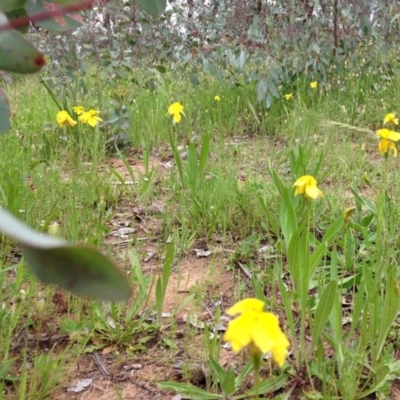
[[81, 385], [202, 253], [122, 232], [107, 350]]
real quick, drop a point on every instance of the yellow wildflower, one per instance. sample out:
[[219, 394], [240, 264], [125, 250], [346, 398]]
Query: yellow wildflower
[[257, 329], [307, 185], [78, 110], [288, 96], [64, 119], [391, 119], [387, 134], [313, 84], [347, 214], [385, 145], [90, 118], [217, 98], [176, 109]]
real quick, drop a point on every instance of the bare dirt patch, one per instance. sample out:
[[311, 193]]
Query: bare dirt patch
[[116, 375]]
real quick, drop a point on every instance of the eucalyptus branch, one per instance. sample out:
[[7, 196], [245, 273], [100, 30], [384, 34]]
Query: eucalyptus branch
[[57, 11]]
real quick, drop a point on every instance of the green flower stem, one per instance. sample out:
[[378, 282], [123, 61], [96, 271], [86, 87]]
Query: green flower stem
[[304, 291], [257, 364], [381, 214]]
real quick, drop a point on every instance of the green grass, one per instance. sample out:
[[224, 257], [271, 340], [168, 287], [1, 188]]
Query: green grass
[[233, 196]]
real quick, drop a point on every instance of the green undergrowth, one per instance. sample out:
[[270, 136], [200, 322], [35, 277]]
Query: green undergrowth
[[222, 179]]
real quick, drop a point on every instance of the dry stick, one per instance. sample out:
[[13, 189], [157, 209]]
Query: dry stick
[[40, 16]]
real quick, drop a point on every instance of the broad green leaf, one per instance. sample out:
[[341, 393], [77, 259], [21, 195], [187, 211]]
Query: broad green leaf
[[153, 7], [205, 149], [188, 391], [68, 2], [16, 53], [18, 13], [228, 384], [55, 23], [323, 310], [161, 69], [177, 158], [192, 165], [10, 5], [287, 303], [80, 269], [4, 113], [272, 88], [244, 372], [266, 386], [219, 371], [322, 248], [287, 218], [388, 314]]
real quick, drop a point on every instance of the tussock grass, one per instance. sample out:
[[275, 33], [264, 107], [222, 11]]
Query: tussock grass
[[224, 198]]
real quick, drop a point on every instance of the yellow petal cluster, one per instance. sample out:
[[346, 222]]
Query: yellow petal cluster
[[257, 329], [176, 109], [385, 145], [388, 134], [217, 98], [90, 118], [391, 119], [388, 137], [307, 185], [64, 119], [313, 84], [288, 96], [78, 110]]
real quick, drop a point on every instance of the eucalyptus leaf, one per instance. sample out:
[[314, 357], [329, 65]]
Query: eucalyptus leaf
[[56, 23], [10, 5], [17, 54], [67, 2], [79, 269], [153, 7], [18, 13]]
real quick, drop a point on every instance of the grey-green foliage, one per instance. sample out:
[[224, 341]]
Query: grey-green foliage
[[79, 269], [267, 43]]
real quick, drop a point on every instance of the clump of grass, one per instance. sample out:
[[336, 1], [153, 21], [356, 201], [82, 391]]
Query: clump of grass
[[224, 180]]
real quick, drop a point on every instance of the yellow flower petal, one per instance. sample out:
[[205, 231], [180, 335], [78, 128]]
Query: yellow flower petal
[[394, 136], [64, 119], [288, 96], [391, 119], [217, 98], [394, 148], [313, 192], [383, 133], [307, 185], [313, 84], [388, 134], [176, 109], [78, 110], [257, 329], [347, 213], [385, 145], [268, 336], [176, 118], [264, 332], [246, 305], [239, 330]]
